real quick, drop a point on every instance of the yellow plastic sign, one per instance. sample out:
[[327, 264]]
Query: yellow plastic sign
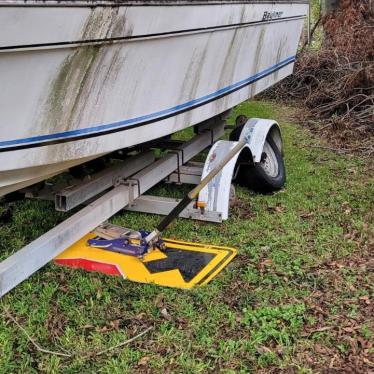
[[181, 265]]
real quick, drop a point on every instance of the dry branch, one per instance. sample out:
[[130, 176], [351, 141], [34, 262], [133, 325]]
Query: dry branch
[[33, 342]]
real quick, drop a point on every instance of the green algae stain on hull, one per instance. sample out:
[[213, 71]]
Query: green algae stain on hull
[[63, 100], [72, 86]]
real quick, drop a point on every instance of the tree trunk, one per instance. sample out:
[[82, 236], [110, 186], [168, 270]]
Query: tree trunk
[[329, 6]]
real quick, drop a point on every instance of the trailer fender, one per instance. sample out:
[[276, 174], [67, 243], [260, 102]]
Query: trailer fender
[[256, 130], [216, 195]]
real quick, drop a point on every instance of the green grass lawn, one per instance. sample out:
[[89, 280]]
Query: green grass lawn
[[299, 296]]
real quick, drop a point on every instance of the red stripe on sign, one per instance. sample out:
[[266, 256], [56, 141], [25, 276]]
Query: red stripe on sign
[[89, 265]]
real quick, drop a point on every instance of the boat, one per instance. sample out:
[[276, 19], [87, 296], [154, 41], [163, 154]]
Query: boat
[[81, 79]]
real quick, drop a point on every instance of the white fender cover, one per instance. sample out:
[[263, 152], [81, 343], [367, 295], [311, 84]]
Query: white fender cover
[[216, 194], [257, 130]]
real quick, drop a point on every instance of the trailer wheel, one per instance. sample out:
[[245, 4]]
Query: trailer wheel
[[269, 174], [240, 121]]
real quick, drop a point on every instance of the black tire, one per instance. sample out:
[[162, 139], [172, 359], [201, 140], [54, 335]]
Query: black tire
[[269, 175], [235, 134]]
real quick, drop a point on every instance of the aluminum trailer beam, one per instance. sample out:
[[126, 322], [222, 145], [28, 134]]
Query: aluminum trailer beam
[[187, 174], [164, 205], [71, 197], [38, 253]]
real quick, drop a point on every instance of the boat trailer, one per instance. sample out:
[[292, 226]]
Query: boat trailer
[[85, 240]]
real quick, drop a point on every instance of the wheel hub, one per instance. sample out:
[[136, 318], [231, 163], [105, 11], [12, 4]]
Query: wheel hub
[[269, 161]]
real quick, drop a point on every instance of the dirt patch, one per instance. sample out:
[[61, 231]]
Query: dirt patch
[[241, 209]]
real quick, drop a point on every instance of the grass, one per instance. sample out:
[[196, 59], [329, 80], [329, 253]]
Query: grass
[[298, 297]]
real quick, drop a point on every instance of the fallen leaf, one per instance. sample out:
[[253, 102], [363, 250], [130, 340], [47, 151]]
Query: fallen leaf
[[115, 324], [366, 299], [144, 361], [348, 329], [140, 316], [103, 329], [307, 215], [267, 262], [262, 349], [165, 314]]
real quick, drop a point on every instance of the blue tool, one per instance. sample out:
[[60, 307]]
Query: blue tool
[[127, 244]]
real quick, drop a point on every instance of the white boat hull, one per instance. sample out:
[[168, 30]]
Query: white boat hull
[[78, 82]]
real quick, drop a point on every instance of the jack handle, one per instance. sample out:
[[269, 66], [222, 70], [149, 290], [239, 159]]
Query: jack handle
[[164, 224]]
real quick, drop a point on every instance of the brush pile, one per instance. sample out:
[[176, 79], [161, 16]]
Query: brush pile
[[336, 83]]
